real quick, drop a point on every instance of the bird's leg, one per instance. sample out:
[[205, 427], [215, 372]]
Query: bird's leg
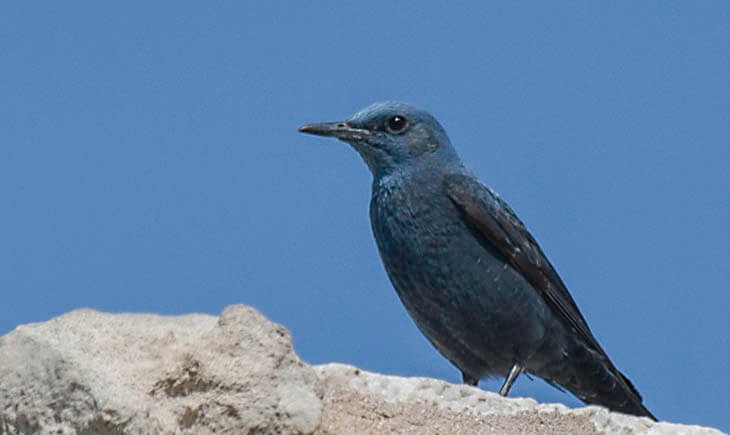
[[510, 379], [469, 380]]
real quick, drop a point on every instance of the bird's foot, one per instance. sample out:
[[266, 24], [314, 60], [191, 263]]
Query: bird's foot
[[511, 377]]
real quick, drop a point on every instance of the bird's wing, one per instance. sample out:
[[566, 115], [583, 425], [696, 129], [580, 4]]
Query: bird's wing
[[491, 218], [486, 213]]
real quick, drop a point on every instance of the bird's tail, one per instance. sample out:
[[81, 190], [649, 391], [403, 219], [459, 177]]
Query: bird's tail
[[591, 376]]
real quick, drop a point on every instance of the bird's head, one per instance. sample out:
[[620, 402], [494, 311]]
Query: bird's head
[[391, 136]]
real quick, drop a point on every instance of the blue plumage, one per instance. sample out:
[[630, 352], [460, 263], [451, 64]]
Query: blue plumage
[[469, 273]]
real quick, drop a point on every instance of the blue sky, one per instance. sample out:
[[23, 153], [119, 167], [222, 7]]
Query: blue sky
[[149, 162]]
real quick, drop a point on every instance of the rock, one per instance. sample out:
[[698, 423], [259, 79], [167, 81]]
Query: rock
[[95, 373], [356, 401], [91, 372]]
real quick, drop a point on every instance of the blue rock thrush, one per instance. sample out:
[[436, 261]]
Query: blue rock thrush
[[471, 276]]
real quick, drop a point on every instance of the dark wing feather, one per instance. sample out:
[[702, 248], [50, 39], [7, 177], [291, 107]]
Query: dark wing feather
[[483, 210]]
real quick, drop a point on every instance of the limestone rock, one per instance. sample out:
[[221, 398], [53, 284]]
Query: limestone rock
[[88, 372], [356, 401]]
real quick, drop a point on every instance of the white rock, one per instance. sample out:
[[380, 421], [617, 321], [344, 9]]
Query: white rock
[[363, 402], [88, 372]]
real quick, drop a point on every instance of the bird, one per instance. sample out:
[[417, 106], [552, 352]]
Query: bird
[[469, 273]]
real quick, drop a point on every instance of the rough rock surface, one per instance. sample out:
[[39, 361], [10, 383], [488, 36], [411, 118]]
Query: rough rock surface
[[356, 401], [88, 372]]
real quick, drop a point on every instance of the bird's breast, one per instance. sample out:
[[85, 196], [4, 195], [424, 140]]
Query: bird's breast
[[412, 220], [460, 291], [423, 242]]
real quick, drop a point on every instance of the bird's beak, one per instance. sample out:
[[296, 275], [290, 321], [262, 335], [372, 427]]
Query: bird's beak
[[341, 130]]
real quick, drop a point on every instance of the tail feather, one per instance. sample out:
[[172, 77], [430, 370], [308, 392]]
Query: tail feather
[[592, 377]]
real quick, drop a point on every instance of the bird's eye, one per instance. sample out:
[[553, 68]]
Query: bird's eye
[[396, 123]]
